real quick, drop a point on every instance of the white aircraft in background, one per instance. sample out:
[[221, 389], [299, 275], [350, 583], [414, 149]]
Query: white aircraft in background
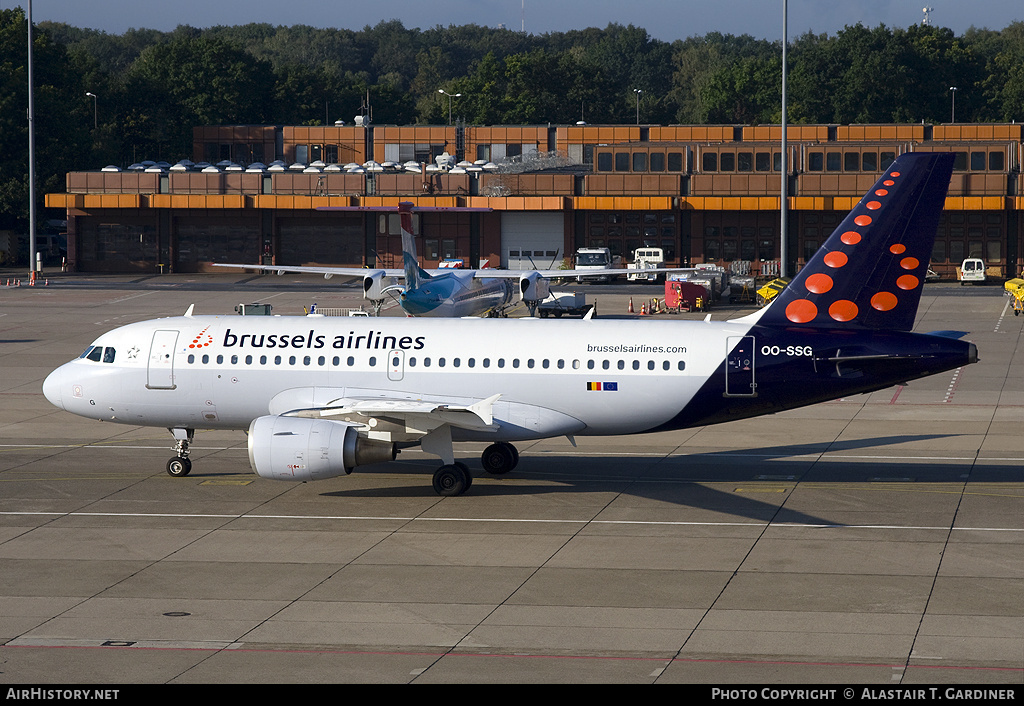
[[445, 292], [322, 397]]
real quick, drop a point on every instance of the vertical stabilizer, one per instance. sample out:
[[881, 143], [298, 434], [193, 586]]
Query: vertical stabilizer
[[871, 270], [414, 274]]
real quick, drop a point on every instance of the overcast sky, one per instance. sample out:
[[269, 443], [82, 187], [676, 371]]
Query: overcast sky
[[663, 19]]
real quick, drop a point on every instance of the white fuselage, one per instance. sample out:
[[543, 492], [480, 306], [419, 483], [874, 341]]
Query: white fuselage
[[570, 377]]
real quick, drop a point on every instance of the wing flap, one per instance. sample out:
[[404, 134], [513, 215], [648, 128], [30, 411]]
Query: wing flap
[[417, 415]]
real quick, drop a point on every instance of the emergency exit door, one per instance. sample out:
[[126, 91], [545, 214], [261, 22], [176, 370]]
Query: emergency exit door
[[396, 365], [739, 367]]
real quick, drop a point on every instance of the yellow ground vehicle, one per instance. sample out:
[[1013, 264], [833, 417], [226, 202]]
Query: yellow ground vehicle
[[769, 291], [1014, 289]]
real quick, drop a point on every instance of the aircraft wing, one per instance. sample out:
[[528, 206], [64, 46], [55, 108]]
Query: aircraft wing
[[419, 414], [554, 274], [326, 271]]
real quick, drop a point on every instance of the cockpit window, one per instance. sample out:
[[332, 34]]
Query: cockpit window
[[99, 353]]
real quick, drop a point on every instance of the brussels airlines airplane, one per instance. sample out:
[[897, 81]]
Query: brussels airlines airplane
[[448, 292], [322, 396]]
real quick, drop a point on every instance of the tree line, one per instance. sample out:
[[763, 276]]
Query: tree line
[[152, 87]]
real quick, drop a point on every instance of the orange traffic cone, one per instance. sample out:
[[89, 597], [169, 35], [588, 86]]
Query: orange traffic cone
[[643, 311], [630, 310]]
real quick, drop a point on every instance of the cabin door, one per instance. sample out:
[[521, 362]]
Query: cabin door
[[739, 367], [161, 361]]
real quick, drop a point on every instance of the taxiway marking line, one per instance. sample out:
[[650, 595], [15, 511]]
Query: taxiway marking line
[[502, 520]]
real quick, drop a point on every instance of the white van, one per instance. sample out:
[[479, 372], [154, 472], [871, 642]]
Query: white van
[[972, 270]]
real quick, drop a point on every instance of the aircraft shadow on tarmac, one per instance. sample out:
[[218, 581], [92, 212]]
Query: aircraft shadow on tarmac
[[683, 479]]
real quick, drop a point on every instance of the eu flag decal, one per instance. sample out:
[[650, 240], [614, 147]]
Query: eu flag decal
[[603, 386]]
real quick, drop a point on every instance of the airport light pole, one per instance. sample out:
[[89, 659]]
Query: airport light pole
[[95, 110], [783, 195], [450, 96], [952, 108], [637, 91], [31, 152]]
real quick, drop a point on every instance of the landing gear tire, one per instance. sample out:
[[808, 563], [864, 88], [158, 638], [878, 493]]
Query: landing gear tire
[[500, 458], [451, 480], [179, 467]]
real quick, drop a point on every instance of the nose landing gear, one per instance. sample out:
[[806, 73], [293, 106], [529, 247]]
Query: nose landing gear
[[180, 465]]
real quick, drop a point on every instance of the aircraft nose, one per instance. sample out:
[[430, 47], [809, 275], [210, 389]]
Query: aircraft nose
[[52, 387]]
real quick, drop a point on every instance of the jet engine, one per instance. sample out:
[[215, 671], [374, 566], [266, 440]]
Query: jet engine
[[374, 285], [533, 287], [302, 449]]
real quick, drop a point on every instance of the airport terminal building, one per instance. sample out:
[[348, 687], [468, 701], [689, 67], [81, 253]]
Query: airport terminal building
[[527, 196]]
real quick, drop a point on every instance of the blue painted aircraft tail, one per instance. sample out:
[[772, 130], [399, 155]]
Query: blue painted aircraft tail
[[870, 272], [414, 274]]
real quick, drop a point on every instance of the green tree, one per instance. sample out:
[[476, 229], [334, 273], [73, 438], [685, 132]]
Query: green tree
[[1003, 87], [63, 118], [195, 81]]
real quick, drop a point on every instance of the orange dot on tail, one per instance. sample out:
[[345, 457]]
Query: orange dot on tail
[[801, 311], [843, 310], [874, 205], [862, 220], [836, 259], [818, 283], [907, 282], [894, 174], [898, 249], [881, 192], [888, 182], [909, 263], [884, 301], [850, 237]]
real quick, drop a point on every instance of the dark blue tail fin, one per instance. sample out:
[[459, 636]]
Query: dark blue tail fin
[[870, 272]]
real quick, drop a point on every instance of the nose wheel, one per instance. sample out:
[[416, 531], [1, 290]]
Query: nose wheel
[[180, 465]]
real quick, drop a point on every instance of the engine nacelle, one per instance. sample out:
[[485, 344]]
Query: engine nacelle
[[302, 449], [374, 285], [533, 287]]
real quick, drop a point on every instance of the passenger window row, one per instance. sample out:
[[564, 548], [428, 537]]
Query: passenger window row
[[427, 362], [279, 360]]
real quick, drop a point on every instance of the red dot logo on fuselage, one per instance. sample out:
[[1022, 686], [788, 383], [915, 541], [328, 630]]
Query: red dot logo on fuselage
[[202, 340]]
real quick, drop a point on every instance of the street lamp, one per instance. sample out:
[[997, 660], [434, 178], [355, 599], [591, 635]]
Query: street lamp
[[637, 91], [952, 108], [95, 122], [450, 96]]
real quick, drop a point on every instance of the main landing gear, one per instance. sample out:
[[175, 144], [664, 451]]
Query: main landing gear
[[180, 465], [454, 478]]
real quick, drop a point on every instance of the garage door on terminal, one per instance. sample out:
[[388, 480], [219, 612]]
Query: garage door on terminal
[[333, 239], [532, 240], [117, 245], [199, 240]]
